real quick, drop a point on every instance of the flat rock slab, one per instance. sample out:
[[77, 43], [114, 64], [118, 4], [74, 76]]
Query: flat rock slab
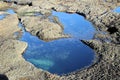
[[8, 26]]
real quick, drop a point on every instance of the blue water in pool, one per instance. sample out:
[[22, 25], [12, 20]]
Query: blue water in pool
[[10, 11], [117, 9], [2, 16], [59, 56], [76, 25], [63, 55]]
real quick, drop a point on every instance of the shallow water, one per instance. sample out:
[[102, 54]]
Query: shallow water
[[59, 56], [64, 55], [2, 16], [76, 25], [117, 10], [9, 11]]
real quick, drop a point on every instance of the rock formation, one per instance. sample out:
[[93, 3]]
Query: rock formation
[[99, 12]]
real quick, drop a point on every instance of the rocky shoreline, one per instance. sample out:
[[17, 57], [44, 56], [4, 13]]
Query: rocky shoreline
[[105, 42]]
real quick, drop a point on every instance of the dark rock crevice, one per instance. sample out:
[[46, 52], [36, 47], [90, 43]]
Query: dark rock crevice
[[82, 14], [29, 3], [112, 30], [3, 77]]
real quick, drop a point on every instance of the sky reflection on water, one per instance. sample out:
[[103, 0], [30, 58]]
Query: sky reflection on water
[[62, 55]]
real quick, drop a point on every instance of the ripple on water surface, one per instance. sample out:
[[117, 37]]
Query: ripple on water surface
[[62, 55]]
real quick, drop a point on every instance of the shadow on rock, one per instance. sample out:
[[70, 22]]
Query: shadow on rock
[[3, 77]]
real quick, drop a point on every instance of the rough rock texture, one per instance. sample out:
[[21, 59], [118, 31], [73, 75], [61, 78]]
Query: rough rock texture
[[3, 5], [105, 42], [43, 28], [98, 12], [12, 63], [12, 49], [107, 68], [5, 28]]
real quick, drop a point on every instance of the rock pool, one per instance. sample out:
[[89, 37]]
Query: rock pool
[[63, 55], [76, 25], [2, 16], [9, 11], [117, 10], [59, 56]]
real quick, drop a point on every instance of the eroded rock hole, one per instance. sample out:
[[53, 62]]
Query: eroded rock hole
[[15, 2], [7, 1], [19, 19], [37, 34], [112, 30], [30, 4]]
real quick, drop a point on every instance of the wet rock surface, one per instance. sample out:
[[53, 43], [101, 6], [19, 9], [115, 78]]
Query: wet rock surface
[[105, 43]]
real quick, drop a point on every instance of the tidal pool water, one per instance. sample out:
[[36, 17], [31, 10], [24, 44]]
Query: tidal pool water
[[75, 25], [117, 10], [58, 56], [63, 55], [2, 16], [9, 11]]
